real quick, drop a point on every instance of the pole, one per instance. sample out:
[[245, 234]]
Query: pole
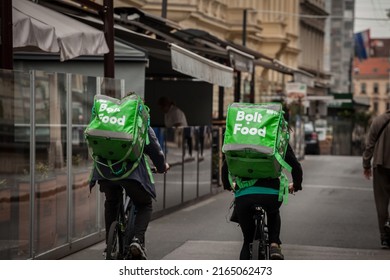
[[221, 93], [6, 47], [245, 12], [237, 90], [164, 9], [108, 16]]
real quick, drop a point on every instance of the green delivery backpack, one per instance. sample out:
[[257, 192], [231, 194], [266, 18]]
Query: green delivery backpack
[[117, 132], [255, 143]]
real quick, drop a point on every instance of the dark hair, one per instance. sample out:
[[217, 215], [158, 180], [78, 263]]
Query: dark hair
[[163, 100]]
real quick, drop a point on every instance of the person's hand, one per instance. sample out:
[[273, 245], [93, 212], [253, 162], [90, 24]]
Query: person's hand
[[291, 188], [155, 170], [167, 167], [367, 173]]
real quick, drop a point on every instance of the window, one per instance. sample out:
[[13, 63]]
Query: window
[[363, 88], [376, 88], [388, 88], [375, 104], [387, 106]]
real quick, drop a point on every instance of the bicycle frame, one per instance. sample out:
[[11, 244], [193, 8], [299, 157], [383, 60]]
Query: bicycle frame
[[260, 245]]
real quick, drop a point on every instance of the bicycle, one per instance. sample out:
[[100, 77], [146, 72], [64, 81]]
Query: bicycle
[[260, 247], [121, 231]]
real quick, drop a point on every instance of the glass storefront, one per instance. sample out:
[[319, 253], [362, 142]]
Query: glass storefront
[[45, 200]]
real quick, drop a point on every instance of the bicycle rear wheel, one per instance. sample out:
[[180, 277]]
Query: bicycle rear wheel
[[114, 242], [266, 245], [130, 221], [259, 245], [130, 214]]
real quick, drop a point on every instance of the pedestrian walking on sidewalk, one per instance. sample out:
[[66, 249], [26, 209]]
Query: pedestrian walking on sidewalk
[[376, 163], [174, 117]]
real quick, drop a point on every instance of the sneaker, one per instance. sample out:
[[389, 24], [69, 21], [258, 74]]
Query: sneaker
[[385, 244], [137, 251], [276, 252]]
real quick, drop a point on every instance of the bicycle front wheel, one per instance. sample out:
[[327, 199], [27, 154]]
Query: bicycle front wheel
[[114, 242]]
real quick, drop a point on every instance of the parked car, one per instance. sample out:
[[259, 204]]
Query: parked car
[[312, 145]]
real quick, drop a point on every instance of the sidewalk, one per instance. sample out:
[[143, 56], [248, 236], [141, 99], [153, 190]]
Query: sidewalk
[[202, 232]]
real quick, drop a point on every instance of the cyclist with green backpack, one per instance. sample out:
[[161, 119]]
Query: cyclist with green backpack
[[265, 193], [120, 138], [256, 150]]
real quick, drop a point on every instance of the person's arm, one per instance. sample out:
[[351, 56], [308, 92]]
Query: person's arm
[[296, 172], [155, 153], [369, 148], [225, 176]]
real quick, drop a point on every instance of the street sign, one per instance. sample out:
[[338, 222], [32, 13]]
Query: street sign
[[296, 91]]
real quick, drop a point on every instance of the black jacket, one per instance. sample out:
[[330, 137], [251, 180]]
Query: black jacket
[[153, 151], [296, 173]]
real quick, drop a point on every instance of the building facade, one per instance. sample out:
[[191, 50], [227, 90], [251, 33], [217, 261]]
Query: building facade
[[271, 28], [372, 82], [311, 58], [341, 45]]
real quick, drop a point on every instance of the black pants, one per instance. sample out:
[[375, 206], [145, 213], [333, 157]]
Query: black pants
[[141, 198], [244, 207], [382, 198], [187, 140]]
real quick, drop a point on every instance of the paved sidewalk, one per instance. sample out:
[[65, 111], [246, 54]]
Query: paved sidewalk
[[202, 232]]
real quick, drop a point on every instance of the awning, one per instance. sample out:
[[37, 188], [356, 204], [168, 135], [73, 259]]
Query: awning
[[273, 66], [325, 98], [298, 74], [240, 61], [39, 27], [123, 52], [201, 68], [163, 55]]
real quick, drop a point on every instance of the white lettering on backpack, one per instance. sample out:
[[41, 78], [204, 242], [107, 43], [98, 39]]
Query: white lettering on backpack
[[107, 119], [256, 117], [112, 120], [248, 118], [103, 107], [246, 130]]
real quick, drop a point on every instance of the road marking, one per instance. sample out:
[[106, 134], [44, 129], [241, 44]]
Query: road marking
[[339, 187], [198, 205]]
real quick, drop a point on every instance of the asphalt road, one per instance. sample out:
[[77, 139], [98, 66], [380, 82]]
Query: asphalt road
[[333, 218]]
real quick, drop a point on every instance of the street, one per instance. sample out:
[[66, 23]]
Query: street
[[332, 218]]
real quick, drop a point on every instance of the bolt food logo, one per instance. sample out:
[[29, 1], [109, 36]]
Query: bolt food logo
[[247, 119], [109, 110]]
